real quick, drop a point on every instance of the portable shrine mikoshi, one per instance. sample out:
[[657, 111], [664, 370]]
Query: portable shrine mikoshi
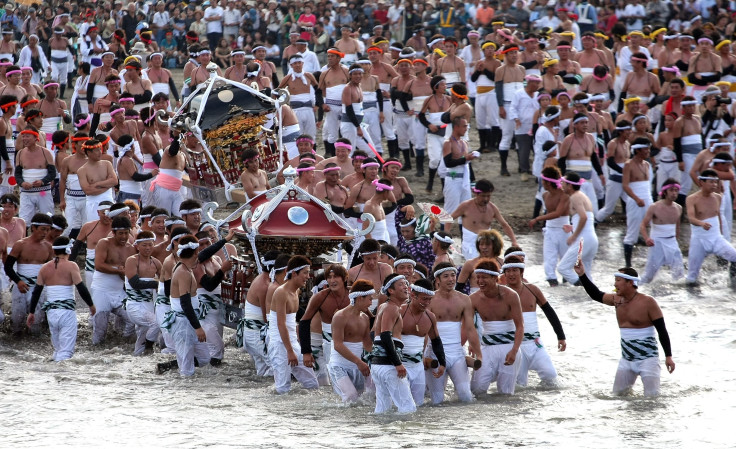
[[289, 219], [227, 118]]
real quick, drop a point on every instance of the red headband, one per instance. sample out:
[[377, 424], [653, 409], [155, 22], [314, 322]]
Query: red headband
[[29, 102], [335, 52], [31, 132], [9, 105], [503, 52]]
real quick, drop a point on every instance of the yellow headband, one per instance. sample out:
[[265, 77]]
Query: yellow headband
[[568, 33], [723, 83], [722, 43], [655, 33], [497, 23], [129, 59], [601, 35], [628, 101], [550, 62], [488, 44], [636, 33]]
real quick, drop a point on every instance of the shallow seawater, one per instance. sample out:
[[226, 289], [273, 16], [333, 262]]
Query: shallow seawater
[[105, 397]]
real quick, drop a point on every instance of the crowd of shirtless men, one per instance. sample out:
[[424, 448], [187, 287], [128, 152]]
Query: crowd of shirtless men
[[397, 322]]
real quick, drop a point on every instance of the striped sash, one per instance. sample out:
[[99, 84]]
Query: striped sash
[[66, 304], [415, 358], [31, 281], [327, 336], [163, 299], [316, 352], [170, 318], [634, 349], [207, 302], [133, 295], [531, 335], [498, 339], [89, 264], [380, 351], [246, 323]]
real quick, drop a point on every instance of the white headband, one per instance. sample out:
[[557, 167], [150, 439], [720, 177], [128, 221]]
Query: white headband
[[579, 119], [103, 207], [419, 289], [628, 277], [36, 223], [447, 239], [370, 252], [548, 118], [388, 285], [354, 295], [190, 211], [170, 246], [400, 261], [512, 265], [127, 148], [297, 59], [702, 178], [637, 118], [116, 212], [442, 270], [688, 102], [294, 270], [67, 248], [147, 239], [173, 222], [514, 253], [57, 227], [413, 221], [482, 271], [190, 245]]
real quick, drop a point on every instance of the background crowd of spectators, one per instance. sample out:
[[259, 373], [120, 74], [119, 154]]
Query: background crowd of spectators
[[228, 24]]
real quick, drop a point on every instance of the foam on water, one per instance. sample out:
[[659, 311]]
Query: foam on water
[[106, 397]]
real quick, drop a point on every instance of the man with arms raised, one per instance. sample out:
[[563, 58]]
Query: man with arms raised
[[638, 316], [454, 312], [502, 321], [476, 215]]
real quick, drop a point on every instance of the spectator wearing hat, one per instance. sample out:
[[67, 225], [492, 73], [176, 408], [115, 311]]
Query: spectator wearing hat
[[30, 24]]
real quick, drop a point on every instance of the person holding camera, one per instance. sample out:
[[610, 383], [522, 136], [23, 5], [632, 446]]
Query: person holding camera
[[306, 23], [715, 115]]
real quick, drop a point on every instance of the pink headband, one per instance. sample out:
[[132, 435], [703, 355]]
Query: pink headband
[[116, 111], [343, 145], [359, 158], [668, 186], [5, 64], [563, 46], [12, 72], [25, 68], [544, 96], [50, 85], [127, 99], [393, 163], [532, 77], [148, 120], [305, 139], [600, 78], [557, 182], [563, 94], [381, 187], [476, 190], [644, 60], [83, 122], [370, 164], [309, 159], [299, 170], [674, 70], [113, 81], [329, 169], [705, 39], [579, 183]]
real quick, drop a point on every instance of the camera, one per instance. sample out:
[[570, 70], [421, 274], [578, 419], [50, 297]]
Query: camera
[[721, 100]]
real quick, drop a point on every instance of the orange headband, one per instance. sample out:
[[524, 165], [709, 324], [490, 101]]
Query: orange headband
[[62, 143], [90, 147], [374, 49], [29, 102], [421, 61], [335, 52], [462, 97], [29, 131], [503, 52], [453, 43], [9, 105], [80, 139], [404, 60]]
